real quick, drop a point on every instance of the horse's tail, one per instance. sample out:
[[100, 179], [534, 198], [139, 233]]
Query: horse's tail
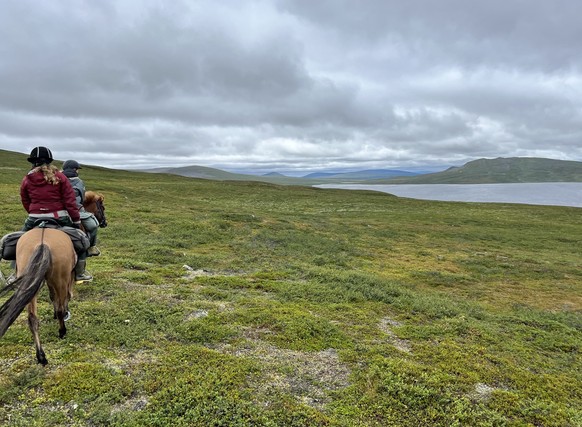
[[27, 286]]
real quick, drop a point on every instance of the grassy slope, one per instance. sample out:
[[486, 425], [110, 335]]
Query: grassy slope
[[304, 307], [501, 170]]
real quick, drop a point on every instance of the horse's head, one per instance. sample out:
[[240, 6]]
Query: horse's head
[[94, 203], [101, 213]]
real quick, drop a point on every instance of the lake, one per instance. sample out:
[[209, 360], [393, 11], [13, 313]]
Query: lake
[[542, 193]]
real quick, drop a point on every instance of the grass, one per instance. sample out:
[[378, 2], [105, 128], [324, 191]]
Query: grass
[[251, 304]]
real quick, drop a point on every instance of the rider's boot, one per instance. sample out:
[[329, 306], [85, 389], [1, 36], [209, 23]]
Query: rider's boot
[[80, 274], [93, 251], [12, 276]]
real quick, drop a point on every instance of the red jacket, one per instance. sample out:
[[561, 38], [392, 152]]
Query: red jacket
[[41, 197]]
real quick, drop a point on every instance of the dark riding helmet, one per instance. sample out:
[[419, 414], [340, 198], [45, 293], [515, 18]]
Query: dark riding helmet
[[71, 164], [40, 156]]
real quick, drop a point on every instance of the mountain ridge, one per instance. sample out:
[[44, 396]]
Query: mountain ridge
[[497, 171], [363, 174], [479, 171]]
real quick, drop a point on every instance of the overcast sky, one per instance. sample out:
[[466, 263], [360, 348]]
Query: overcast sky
[[283, 85]]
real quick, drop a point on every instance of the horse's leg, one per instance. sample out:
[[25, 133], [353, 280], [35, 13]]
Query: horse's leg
[[61, 311], [60, 306], [33, 325], [52, 297], [61, 318]]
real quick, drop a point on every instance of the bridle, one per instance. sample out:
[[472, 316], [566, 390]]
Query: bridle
[[100, 213]]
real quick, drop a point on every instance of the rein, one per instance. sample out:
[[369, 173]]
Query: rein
[[99, 206]]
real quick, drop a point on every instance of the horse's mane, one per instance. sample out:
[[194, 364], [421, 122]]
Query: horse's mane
[[91, 196]]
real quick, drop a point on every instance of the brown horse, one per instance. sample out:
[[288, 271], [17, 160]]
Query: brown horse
[[94, 203], [45, 254]]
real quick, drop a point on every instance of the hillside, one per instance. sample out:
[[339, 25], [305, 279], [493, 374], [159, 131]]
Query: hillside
[[220, 175], [232, 303], [482, 171], [360, 175], [500, 170], [277, 178]]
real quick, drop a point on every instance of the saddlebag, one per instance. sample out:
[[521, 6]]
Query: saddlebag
[[8, 242], [8, 245]]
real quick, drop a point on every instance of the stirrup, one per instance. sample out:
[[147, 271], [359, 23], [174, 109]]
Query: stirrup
[[67, 315], [83, 278]]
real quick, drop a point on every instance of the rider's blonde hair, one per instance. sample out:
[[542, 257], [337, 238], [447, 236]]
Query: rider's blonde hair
[[49, 172]]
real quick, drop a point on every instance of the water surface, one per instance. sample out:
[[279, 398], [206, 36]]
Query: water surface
[[539, 193]]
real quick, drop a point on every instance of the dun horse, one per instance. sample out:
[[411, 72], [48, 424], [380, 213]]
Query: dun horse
[[42, 254], [45, 254]]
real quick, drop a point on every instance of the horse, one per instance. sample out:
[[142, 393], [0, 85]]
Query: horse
[[46, 254], [94, 203]]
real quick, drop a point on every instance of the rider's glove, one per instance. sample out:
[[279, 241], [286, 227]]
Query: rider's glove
[[77, 224]]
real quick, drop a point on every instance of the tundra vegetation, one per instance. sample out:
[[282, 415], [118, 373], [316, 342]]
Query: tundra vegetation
[[251, 304]]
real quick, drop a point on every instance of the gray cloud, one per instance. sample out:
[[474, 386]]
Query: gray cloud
[[291, 84]]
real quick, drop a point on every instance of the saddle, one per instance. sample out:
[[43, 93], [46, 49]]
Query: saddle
[[78, 238]]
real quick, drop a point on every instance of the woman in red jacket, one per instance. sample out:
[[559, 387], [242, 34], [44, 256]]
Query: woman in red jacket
[[47, 193]]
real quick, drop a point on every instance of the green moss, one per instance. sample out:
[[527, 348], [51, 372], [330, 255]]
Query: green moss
[[87, 380], [237, 303]]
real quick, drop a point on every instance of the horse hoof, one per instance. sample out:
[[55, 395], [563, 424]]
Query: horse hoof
[[41, 358]]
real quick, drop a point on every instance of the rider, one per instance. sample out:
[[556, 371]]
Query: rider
[[47, 193], [90, 223]]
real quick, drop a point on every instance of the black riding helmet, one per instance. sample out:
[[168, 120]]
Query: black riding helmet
[[71, 164], [40, 156]]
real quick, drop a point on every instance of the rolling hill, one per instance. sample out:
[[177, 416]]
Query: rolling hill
[[500, 170], [361, 175], [278, 178], [220, 175], [481, 171]]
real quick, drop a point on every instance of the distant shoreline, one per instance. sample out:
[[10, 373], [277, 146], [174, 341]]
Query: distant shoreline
[[538, 193]]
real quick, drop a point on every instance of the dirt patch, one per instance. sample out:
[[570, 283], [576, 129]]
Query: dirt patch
[[197, 314], [482, 392], [133, 404], [309, 376], [386, 325], [192, 273]]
